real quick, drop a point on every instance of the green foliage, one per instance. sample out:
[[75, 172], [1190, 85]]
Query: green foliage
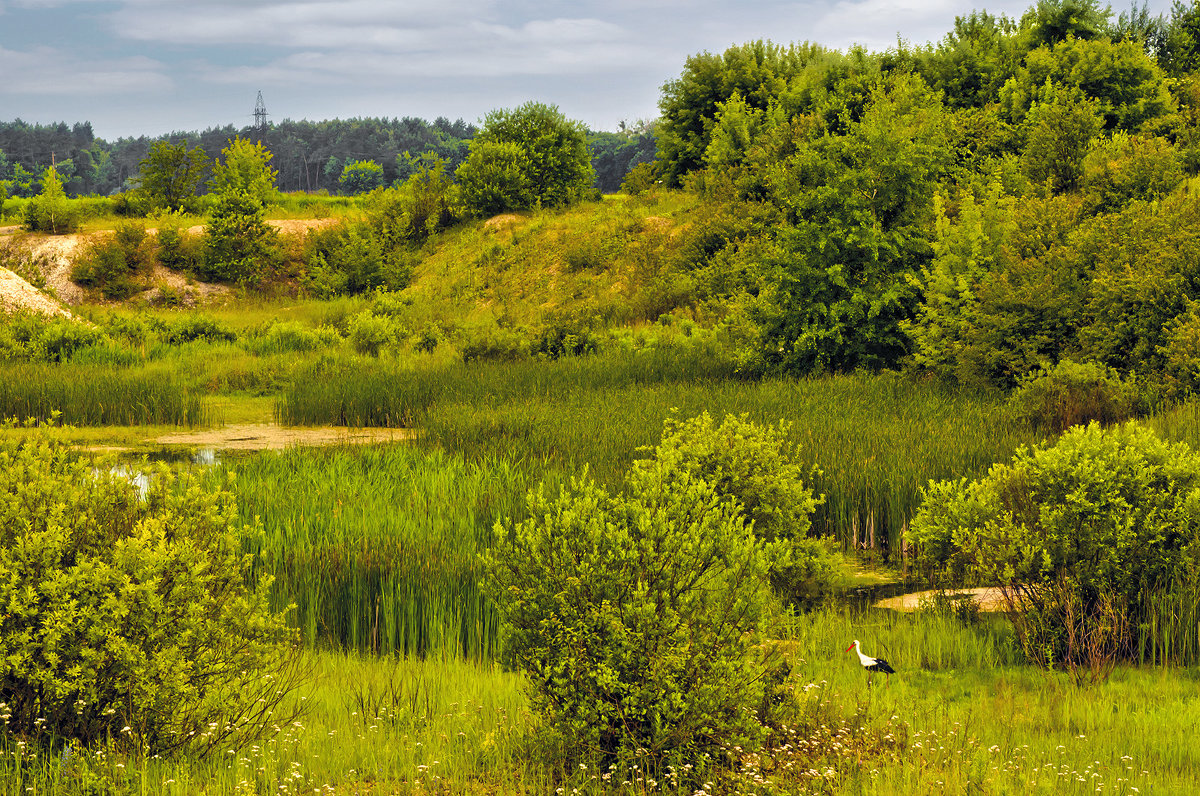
[[759, 468], [426, 203], [1059, 135], [1074, 533], [1071, 394], [170, 174], [635, 617], [178, 249], [1127, 168], [239, 245], [530, 156], [247, 168], [360, 176], [495, 178], [856, 233], [1049, 22], [127, 615], [1126, 85], [756, 72], [369, 333], [119, 264], [51, 211], [26, 337]]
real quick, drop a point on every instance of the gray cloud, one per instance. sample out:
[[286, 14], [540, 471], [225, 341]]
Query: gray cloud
[[45, 70], [118, 62]]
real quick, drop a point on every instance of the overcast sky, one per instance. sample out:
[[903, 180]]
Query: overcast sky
[[135, 67]]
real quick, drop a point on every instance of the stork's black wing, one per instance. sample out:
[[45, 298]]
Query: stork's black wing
[[882, 666]]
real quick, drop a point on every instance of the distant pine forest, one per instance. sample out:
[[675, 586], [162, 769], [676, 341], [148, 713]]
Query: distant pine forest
[[309, 156]]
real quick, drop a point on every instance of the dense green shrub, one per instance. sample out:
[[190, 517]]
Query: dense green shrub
[[493, 343], [239, 245], [177, 249], [119, 264], [636, 617], [188, 328], [758, 467], [1075, 533], [127, 617], [28, 337], [370, 333], [1071, 393]]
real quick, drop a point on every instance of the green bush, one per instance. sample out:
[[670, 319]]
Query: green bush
[[1072, 393], [636, 617], [178, 250], [494, 343], [188, 328], [758, 467], [27, 337], [370, 333], [127, 617], [239, 245], [119, 264], [1075, 534]]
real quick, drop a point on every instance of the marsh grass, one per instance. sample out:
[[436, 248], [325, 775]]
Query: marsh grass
[[378, 546], [98, 395], [961, 715], [876, 440]]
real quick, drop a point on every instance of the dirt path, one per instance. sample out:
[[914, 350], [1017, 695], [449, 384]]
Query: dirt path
[[268, 436]]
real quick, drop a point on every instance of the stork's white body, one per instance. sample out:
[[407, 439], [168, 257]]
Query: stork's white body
[[872, 665]]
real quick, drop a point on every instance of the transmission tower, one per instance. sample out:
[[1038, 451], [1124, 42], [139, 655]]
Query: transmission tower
[[260, 114]]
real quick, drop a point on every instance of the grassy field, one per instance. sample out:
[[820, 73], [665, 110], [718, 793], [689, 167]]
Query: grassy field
[[960, 716], [378, 546]]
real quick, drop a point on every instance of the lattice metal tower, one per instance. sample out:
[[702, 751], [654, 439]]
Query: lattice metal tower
[[260, 114]]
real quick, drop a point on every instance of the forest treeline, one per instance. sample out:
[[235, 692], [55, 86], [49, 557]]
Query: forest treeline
[[309, 156], [1018, 194]]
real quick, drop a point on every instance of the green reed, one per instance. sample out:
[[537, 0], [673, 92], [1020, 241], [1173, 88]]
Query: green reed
[[378, 546], [98, 395], [876, 440]]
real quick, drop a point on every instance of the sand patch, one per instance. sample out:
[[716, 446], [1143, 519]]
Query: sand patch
[[269, 436], [989, 598]]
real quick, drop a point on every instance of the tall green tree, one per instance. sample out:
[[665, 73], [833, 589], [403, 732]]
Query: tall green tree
[[860, 208], [170, 174], [246, 166], [360, 176], [538, 155], [757, 72]]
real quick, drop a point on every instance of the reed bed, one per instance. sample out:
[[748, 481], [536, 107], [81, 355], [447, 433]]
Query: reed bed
[[876, 440], [366, 392], [98, 395], [378, 546]]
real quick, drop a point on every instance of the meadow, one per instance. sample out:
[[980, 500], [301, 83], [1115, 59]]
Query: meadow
[[377, 547]]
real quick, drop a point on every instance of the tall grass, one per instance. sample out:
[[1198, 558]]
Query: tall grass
[[97, 395], [876, 440], [378, 546]]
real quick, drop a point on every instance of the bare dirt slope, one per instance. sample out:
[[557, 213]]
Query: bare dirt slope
[[53, 255]]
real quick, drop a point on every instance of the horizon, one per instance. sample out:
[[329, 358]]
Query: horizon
[[126, 66]]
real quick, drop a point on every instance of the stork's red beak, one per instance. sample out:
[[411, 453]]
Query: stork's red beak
[[849, 648]]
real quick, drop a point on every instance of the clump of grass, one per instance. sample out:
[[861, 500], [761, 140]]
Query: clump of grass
[[97, 395], [378, 546]]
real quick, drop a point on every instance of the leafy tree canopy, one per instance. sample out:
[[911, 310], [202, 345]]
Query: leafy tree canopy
[[246, 166], [170, 174]]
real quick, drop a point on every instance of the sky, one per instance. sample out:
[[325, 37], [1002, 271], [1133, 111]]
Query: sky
[[149, 67]]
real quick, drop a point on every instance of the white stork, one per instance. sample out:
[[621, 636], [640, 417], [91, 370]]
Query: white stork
[[872, 665]]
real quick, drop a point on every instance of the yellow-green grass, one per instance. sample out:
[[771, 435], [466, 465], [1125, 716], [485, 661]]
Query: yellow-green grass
[[97, 395], [960, 716], [378, 546]]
